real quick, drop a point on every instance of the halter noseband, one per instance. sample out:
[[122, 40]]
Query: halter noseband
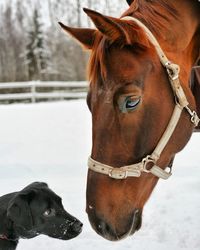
[[135, 170]]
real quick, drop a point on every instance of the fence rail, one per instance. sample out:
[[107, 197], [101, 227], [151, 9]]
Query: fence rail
[[36, 91]]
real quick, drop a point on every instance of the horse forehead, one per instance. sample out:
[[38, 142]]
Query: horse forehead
[[124, 63], [107, 91]]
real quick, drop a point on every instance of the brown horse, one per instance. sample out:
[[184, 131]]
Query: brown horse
[[131, 102]]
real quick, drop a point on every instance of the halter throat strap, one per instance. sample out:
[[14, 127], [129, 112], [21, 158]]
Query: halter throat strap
[[148, 164]]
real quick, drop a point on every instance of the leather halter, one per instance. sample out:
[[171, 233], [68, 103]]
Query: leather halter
[[148, 163], [3, 237]]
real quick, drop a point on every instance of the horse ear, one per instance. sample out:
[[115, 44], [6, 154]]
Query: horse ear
[[85, 36], [129, 1], [108, 26]]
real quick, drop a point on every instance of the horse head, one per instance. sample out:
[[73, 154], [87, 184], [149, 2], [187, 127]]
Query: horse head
[[131, 102]]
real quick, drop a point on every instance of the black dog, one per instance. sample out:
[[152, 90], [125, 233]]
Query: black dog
[[34, 210]]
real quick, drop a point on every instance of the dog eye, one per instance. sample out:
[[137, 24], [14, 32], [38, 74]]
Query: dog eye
[[49, 212]]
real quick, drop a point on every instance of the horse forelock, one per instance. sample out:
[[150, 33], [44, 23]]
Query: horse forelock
[[97, 59], [97, 67]]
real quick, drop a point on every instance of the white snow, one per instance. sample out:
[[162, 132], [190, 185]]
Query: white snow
[[51, 142]]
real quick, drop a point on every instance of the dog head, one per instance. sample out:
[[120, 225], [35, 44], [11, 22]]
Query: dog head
[[38, 210]]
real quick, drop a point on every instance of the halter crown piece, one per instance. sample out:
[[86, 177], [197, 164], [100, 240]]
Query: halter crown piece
[[135, 170]]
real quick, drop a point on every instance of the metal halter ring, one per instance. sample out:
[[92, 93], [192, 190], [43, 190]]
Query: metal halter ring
[[145, 162]]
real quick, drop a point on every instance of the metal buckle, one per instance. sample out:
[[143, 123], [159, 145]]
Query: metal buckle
[[170, 170], [118, 174], [195, 119], [145, 162]]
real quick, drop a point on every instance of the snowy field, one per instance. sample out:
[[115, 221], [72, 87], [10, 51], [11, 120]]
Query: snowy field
[[50, 142]]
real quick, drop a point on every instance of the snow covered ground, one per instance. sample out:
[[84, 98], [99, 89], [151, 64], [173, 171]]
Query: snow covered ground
[[51, 142]]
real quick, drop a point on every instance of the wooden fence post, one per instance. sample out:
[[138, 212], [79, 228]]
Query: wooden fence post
[[33, 92]]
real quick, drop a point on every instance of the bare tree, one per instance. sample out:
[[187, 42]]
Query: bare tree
[[78, 7], [61, 57]]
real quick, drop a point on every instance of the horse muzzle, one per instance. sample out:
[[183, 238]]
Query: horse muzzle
[[116, 231]]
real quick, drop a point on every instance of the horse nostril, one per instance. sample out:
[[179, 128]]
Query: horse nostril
[[77, 226], [104, 228]]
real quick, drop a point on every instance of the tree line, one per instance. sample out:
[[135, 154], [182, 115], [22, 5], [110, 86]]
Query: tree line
[[32, 45]]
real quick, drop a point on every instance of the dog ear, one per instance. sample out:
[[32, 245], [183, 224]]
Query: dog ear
[[19, 210], [36, 185]]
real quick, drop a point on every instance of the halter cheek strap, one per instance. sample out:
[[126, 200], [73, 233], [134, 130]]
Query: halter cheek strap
[[148, 164]]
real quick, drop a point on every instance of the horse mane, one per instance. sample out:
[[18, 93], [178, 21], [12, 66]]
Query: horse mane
[[154, 13]]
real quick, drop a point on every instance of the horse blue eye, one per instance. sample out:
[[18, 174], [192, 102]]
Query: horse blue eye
[[129, 104]]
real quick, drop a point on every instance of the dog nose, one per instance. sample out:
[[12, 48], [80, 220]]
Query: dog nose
[[77, 226]]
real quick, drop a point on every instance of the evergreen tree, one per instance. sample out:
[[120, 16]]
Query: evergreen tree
[[35, 51]]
